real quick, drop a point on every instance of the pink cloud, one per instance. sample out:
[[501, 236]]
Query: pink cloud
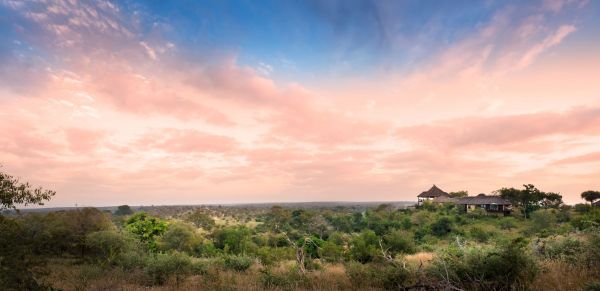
[[499, 130]]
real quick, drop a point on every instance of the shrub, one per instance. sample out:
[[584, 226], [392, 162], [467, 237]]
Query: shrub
[[205, 248], [479, 234], [507, 266], [442, 226], [146, 228], [508, 223], [399, 241], [365, 246], [179, 237], [377, 275], [234, 239], [290, 279], [131, 259], [160, 267], [270, 256], [237, 262], [331, 252], [566, 249], [106, 245]]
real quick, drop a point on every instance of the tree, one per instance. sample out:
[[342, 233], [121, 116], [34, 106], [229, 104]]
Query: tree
[[459, 194], [201, 219], [178, 237], [19, 266], [530, 198], [146, 228], [123, 210], [590, 196], [13, 192]]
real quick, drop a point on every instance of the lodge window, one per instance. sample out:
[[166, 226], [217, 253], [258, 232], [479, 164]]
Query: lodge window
[[493, 207]]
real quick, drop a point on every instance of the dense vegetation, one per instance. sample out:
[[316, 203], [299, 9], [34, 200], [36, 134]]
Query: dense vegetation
[[432, 247]]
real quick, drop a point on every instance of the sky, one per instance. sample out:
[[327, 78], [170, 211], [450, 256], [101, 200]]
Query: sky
[[190, 102]]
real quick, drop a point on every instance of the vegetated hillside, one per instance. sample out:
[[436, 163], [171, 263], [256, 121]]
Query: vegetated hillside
[[319, 248]]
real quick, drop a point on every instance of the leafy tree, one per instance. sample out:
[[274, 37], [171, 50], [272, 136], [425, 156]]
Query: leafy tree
[[364, 247], [590, 195], [530, 198], [178, 237], [233, 239], [146, 228], [123, 210], [399, 241], [107, 245], [459, 194], [200, 219], [13, 193]]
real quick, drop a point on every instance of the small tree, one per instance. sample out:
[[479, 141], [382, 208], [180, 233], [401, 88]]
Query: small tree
[[13, 193], [590, 196], [146, 228]]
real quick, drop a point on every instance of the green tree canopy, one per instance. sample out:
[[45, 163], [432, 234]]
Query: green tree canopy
[[590, 195], [530, 198], [123, 210]]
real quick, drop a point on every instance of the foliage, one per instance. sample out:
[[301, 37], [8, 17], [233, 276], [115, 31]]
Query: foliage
[[237, 262], [146, 228], [17, 261], [505, 267], [590, 195], [459, 194], [289, 279], [123, 210], [364, 247], [442, 226], [13, 192], [201, 219], [179, 237], [530, 198], [378, 275], [399, 241], [234, 239], [107, 245], [160, 267]]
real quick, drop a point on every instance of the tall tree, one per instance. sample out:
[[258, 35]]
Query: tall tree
[[590, 195], [14, 192]]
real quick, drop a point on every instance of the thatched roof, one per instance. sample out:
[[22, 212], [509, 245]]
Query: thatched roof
[[483, 199], [434, 192]]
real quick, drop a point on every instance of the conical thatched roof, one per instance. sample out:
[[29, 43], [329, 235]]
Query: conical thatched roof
[[434, 192]]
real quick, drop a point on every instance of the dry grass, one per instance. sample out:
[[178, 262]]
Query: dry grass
[[562, 276]]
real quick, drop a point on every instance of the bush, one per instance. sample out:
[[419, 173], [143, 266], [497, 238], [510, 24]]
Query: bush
[[377, 275], [146, 228], [566, 249], [399, 241], [505, 267], [160, 267], [442, 226], [106, 245], [290, 279], [234, 240], [479, 234], [237, 262], [365, 246], [508, 223], [331, 252], [179, 237], [270, 256]]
